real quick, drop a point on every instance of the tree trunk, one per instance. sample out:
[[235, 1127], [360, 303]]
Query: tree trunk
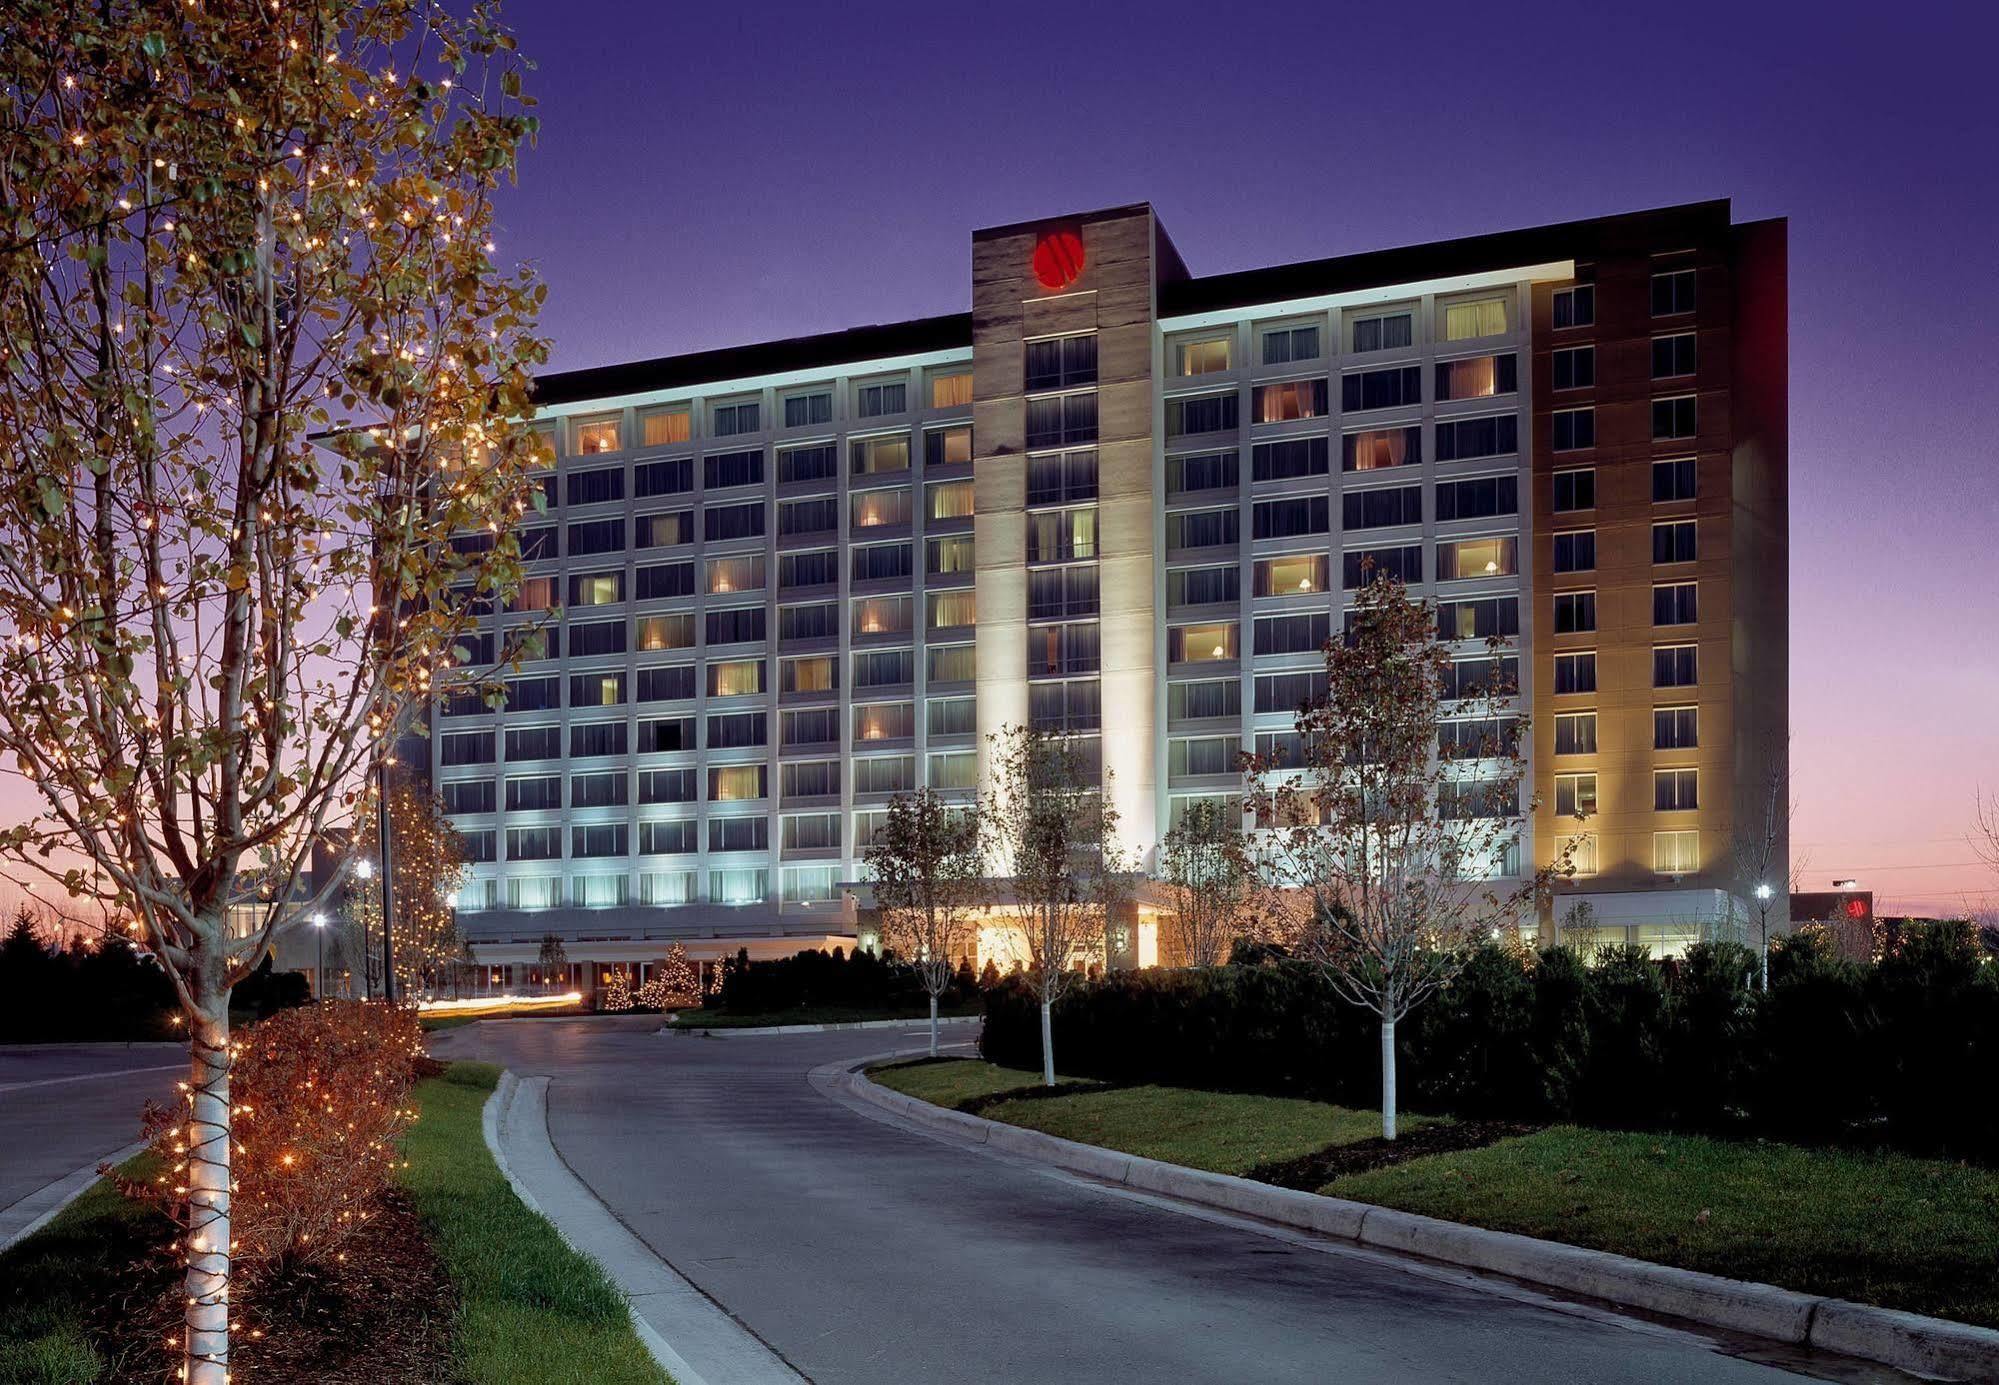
[[1047, 1047], [206, 1360], [933, 1026], [1387, 1079]]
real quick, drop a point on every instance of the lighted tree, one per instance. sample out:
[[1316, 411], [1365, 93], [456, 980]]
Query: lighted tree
[[1049, 826], [1205, 864], [674, 982], [427, 863], [617, 992], [228, 228], [1385, 850], [927, 866]]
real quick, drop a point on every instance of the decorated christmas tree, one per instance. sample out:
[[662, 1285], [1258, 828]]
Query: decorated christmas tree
[[617, 992], [674, 983]]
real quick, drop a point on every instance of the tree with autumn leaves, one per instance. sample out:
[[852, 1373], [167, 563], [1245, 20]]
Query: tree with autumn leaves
[[258, 366], [426, 867]]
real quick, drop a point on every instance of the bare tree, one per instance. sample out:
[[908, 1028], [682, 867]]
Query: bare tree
[[1762, 864], [1206, 865], [553, 959], [927, 866], [1049, 826], [1388, 850], [231, 228]]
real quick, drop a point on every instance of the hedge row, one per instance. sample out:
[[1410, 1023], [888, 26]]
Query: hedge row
[[1900, 1052], [835, 979]]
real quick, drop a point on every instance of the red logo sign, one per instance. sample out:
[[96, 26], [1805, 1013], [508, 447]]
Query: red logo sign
[[1058, 259], [1856, 908]]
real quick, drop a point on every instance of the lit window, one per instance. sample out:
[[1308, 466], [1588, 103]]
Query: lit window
[[817, 674], [949, 610], [884, 721], [735, 678], [947, 447], [736, 783], [660, 427], [1294, 399], [951, 390], [665, 632], [1466, 558], [1581, 851], [950, 555], [1195, 644], [1480, 317], [739, 574], [1676, 790], [737, 886], [602, 589], [877, 508], [950, 499], [1201, 357], [1305, 572], [1676, 853], [872, 455], [598, 435], [1575, 795], [880, 615], [1575, 733]]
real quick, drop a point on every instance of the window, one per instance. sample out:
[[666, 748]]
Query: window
[[1295, 457], [534, 794], [738, 625], [1575, 733], [537, 544], [597, 690], [1571, 430], [814, 674], [950, 556], [819, 516], [534, 843], [728, 420], [1575, 367], [952, 663], [726, 469], [1575, 795], [1071, 706], [1294, 399], [809, 779], [603, 637], [1282, 519], [1299, 634], [1058, 478], [881, 398], [664, 632], [884, 721], [535, 594], [880, 615], [1673, 356], [811, 832], [1363, 565], [1198, 701], [1381, 447], [1675, 480], [1062, 420], [743, 573], [1383, 332], [468, 796], [1580, 848], [1461, 439], [809, 884], [954, 769], [1192, 644], [733, 521], [1674, 418], [1284, 345], [820, 726], [1575, 673], [879, 509], [1305, 572], [1675, 604], [1287, 692], [666, 786], [952, 499], [674, 838], [599, 839], [885, 774], [1062, 536], [666, 684], [743, 886], [1480, 498], [737, 834], [533, 694], [948, 447], [951, 389], [595, 487], [1676, 790], [1575, 613], [596, 589], [1575, 551], [955, 716], [732, 730], [1205, 413], [1058, 593], [598, 536], [1675, 666], [1575, 490], [1483, 675], [1202, 528], [596, 738], [1676, 728], [664, 427], [820, 569], [1206, 357], [1676, 853], [1480, 377], [1382, 389], [1478, 317], [665, 888], [1575, 307], [735, 677], [1059, 650], [666, 735], [1673, 292], [1675, 541], [1204, 471], [808, 410], [952, 610], [534, 892], [1374, 509], [532, 743], [818, 463], [1056, 363], [665, 579], [884, 668], [664, 531], [672, 477], [1207, 755], [1462, 559], [597, 435]]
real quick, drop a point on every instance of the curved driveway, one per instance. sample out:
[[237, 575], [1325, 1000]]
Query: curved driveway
[[865, 1253]]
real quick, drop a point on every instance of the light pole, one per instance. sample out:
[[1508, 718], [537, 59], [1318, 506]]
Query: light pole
[[382, 817], [319, 970], [365, 869], [1763, 893]]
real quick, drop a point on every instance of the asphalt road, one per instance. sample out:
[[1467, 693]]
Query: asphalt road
[[63, 1106], [868, 1254]]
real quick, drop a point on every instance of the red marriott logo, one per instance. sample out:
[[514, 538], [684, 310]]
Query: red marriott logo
[[1058, 258]]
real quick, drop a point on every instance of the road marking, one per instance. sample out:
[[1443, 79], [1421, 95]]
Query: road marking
[[7, 1087]]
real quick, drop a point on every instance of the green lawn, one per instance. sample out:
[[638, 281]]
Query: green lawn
[[1918, 1234], [531, 1308], [813, 1014], [953, 1081]]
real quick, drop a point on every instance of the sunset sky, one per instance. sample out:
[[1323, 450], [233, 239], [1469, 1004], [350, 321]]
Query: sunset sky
[[718, 174]]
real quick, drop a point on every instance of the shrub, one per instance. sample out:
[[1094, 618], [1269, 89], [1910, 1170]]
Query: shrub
[[321, 1095], [836, 979], [1711, 1034]]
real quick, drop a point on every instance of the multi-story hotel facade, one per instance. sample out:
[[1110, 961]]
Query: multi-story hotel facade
[[780, 583]]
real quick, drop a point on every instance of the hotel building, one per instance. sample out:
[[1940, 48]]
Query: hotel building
[[780, 583]]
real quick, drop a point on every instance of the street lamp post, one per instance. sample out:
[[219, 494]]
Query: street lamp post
[[1763, 893], [365, 869], [319, 969], [382, 817]]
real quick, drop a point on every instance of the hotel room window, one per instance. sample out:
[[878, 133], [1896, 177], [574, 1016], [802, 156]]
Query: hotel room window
[[744, 573], [1574, 367], [1360, 566], [1576, 551], [1383, 332], [885, 774], [884, 721], [1463, 559], [597, 435], [1475, 318], [809, 410], [1575, 307], [880, 615], [1463, 439], [1284, 519], [820, 569], [1575, 673], [949, 499], [818, 516], [597, 690], [665, 632], [1676, 666], [948, 446], [1214, 698], [1673, 292], [597, 589], [952, 663], [1392, 388], [674, 476], [738, 625], [664, 531], [1575, 733], [817, 673], [1581, 850], [1202, 528], [1381, 447], [535, 793], [665, 888], [870, 456], [1185, 586], [881, 562], [1056, 363], [1675, 541], [1674, 355], [819, 463], [950, 556], [600, 637], [1058, 593], [1675, 604], [596, 738], [1205, 471], [1207, 356], [1382, 508], [739, 416], [1058, 478], [820, 726], [952, 716], [1676, 790], [1480, 377], [675, 838], [735, 678], [664, 427], [735, 887], [674, 683], [952, 610], [1295, 399], [733, 521], [1575, 795], [1573, 429], [727, 469], [1289, 345], [881, 398], [1302, 573], [1675, 480], [595, 487], [735, 730], [1063, 536], [810, 831], [1676, 728], [1480, 497], [1676, 853], [534, 594], [1197, 644], [738, 784], [598, 839], [951, 389], [1206, 413], [884, 668], [1575, 613], [1575, 490], [879, 509], [1675, 418], [1062, 420]]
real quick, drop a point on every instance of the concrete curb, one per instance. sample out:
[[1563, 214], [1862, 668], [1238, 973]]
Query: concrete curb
[[732, 1029], [30, 1214], [1907, 1341], [691, 1337]]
